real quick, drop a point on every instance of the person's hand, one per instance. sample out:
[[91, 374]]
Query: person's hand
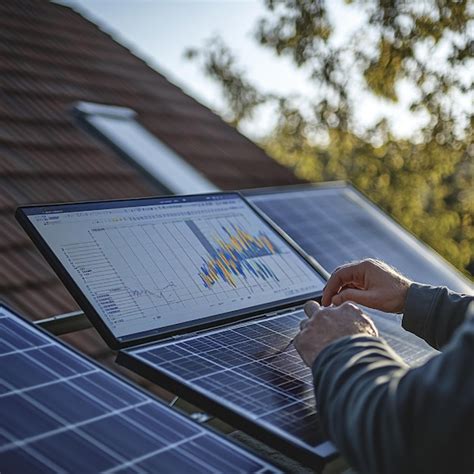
[[325, 325], [370, 283]]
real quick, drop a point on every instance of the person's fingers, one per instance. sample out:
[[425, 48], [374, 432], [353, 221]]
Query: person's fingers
[[311, 307], [303, 324], [371, 324], [342, 276], [363, 297]]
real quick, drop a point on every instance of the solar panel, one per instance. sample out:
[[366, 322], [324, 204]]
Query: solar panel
[[241, 375], [61, 412], [336, 224], [244, 375]]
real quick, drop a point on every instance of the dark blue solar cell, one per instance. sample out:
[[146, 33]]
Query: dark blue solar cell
[[73, 453], [254, 349], [107, 390], [279, 380], [298, 419], [18, 337], [4, 347], [162, 422], [4, 439], [4, 387], [164, 354], [226, 357], [68, 403], [124, 436], [172, 462], [21, 371], [60, 362], [36, 421], [224, 460], [254, 331], [19, 460], [191, 367], [220, 338], [257, 398]]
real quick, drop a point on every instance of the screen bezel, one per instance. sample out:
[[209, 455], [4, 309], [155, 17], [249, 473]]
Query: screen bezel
[[22, 215]]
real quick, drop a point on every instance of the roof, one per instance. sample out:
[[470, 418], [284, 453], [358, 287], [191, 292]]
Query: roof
[[50, 58]]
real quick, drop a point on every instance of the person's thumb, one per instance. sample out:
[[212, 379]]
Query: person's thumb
[[311, 308], [362, 297]]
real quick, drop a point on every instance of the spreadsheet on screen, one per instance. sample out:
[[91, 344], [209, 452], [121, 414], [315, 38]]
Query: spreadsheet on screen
[[150, 265]]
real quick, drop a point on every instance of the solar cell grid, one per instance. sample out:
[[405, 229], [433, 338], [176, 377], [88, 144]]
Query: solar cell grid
[[62, 413], [247, 372], [244, 369], [411, 348]]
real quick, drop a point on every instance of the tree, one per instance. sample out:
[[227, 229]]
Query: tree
[[426, 180]]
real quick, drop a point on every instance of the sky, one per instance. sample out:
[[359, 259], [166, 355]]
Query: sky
[[160, 31]]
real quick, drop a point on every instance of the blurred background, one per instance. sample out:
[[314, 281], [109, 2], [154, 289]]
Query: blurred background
[[378, 93]]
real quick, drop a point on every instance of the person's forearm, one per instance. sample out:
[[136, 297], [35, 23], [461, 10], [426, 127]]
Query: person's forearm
[[387, 418], [348, 400], [434, 313]]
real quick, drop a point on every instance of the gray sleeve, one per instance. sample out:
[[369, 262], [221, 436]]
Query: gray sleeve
[[387, 418], [434, 313]]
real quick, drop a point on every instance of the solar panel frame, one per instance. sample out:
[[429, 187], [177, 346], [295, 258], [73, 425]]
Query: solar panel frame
[[204, 433], [461, 282]]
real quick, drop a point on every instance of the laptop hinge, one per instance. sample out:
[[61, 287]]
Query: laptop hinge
[[234, 323]]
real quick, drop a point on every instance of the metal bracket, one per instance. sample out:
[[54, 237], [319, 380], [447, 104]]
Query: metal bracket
[[65, 323]]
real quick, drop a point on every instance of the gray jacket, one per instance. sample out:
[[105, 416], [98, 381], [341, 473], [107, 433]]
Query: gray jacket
[[385, 417]]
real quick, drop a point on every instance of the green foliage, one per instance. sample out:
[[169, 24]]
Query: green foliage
[[241, 97], [424, 181], [424, 186]]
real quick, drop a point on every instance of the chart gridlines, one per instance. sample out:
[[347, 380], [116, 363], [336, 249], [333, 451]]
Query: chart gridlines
[[142, 271]]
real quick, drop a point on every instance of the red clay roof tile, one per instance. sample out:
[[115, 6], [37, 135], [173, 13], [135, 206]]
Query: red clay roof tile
[[50, 58]]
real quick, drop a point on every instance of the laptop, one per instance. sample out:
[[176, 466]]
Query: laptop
[[201, 294]]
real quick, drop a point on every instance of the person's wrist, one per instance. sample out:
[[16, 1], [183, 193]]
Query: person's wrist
[[334, 346], [403, 294]]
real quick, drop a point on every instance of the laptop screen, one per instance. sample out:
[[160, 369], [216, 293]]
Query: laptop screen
[[149, 266]]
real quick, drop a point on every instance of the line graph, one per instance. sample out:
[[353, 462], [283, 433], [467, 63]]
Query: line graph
[[156, 292], [235, 254]]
